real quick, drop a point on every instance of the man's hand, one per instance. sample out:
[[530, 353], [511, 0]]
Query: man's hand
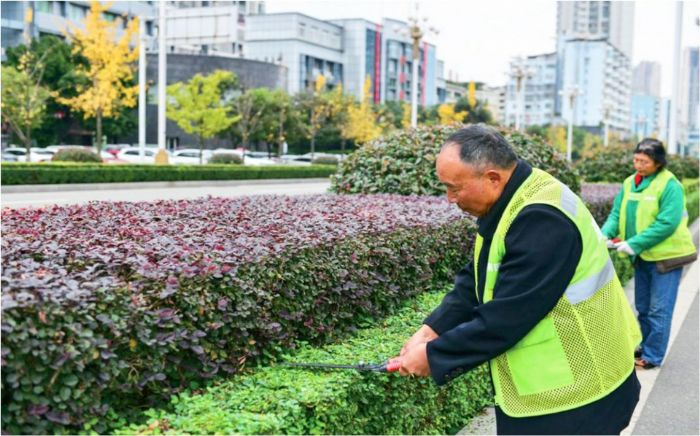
[[415, 361], [624, 247], [423, 335]]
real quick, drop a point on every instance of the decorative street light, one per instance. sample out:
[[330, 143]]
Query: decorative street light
[[571, 93], [416, 33], [607, 107], [519, 72]]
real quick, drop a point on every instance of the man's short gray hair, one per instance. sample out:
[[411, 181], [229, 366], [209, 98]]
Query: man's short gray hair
[[481, 145]]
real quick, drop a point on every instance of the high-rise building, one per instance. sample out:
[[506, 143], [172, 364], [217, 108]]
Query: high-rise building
[[646, 79], [601, 73], [645, 116], [690, 99], [538, 88], [610, 20]]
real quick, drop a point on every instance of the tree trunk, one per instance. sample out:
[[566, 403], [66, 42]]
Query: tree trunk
[[98, 139], [342, 145], [28, 144], [201, 149], [313, 145]]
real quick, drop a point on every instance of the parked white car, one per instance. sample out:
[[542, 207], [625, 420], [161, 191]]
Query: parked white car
[[132, 155], [19, 154], [189, 156], [255, 159]]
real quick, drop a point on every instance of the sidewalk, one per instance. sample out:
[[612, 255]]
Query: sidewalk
[[668, 402]]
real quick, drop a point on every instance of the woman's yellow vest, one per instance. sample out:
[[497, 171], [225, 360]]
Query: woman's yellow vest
[[583, 349], [680, 243]]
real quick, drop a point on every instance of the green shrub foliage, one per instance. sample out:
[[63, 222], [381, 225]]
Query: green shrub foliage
[[283, 400], [76, 155], [325, 160], [404, 162], [226, 158], [615, 164], [68, 172], [108, 306]]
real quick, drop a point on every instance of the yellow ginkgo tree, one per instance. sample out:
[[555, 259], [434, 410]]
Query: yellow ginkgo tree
[[361, 124], [110, 67], [447, 114]]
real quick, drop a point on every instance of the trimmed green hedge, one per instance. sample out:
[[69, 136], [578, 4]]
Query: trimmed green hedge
[[49, 173], [283, 400], [691, 198]]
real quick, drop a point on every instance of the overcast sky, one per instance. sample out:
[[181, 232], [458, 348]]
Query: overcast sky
[[478, 38]]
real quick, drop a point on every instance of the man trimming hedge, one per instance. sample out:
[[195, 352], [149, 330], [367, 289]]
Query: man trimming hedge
[[540, 302]]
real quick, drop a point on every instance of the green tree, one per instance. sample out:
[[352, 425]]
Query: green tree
[[317, 106], [59, 76], [199, 106], [24, 98], [478, 113]]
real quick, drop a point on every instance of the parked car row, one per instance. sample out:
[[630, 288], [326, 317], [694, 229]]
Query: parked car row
[[124, 153]]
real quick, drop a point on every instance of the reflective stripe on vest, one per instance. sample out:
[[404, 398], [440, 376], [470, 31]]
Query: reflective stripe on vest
[[582, 350], [680, 243]]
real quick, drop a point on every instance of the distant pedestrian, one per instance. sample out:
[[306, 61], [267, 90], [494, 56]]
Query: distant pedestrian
[[650, 223]]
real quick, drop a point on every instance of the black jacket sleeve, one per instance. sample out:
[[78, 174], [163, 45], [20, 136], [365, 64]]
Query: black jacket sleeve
[[457, 306], [543, 248]]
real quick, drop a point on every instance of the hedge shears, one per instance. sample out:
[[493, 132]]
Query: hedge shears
[[391, 365]]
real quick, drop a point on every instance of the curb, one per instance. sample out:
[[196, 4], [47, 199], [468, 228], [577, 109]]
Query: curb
[[18, 189]]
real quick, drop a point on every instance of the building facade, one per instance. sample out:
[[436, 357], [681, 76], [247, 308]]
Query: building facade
[[539, 91], [646, 79], [689, 125], [602, 75], [609, 20], [347, 52], [495, 99], [208, 27], [645, 116], [23, 20]]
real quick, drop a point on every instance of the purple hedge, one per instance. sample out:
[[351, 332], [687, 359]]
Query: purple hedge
[[110, 306]]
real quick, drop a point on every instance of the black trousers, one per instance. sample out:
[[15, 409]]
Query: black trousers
[[609, 415]]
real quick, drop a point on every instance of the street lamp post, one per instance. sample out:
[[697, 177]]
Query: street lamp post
[[416, 33], [161, 156], [607, 107], [571, 93], [675, 83], [142, 88], [520, 73], [416, 36]]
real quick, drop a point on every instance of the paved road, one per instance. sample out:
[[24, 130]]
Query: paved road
[[50, 195]]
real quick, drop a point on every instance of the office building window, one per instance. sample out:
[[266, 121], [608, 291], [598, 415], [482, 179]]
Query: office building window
[[302, 29], [44, 6]]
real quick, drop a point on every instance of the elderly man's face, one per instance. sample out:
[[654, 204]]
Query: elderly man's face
[[473, 191]]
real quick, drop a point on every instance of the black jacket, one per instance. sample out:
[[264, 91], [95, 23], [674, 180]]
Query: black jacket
[[543, 248]]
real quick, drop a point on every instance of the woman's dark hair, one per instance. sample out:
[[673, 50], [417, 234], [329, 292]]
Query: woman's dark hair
[[654, 149]]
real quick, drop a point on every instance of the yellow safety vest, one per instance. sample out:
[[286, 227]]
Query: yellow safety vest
[[583, 349]]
